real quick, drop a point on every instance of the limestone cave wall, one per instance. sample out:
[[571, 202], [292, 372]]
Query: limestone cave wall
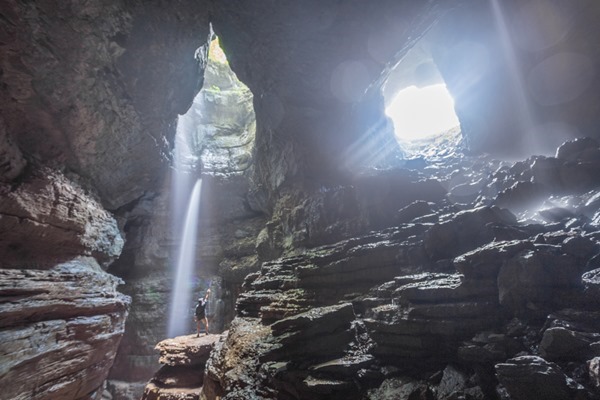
[[89, 92], [364, 274]]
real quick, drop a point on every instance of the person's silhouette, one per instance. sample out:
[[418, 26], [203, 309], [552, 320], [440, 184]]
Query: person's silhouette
[[201, 313]]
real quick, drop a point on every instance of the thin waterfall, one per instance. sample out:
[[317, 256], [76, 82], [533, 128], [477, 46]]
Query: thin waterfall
[[186, 261], [185, 207]]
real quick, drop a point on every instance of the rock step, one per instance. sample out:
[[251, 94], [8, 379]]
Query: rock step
[[154, 392], [182, 376], [186, 350]]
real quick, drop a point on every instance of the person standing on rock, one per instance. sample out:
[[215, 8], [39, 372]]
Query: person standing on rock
[[201, 313]]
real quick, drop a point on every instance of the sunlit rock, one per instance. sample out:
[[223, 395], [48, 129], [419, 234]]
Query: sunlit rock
[[181, 377]]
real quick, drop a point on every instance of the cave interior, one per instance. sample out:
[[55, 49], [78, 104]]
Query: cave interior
[[154, 152]]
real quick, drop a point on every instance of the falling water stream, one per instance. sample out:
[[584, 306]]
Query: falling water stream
[[186, 261], [203, 120], [185, 209]]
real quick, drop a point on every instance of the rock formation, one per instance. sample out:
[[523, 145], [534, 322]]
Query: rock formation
[[85, 133], [469, 300], [181, 377], [359, 269], [60, 330]]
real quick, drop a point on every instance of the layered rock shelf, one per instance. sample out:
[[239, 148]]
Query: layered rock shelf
[[59, 330], [472, 301], [184, 359]]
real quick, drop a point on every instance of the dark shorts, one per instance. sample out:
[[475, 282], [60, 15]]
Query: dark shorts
[[200, 316]]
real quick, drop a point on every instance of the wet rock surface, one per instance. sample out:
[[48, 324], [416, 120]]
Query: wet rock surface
[[529, 377], [483, 303]]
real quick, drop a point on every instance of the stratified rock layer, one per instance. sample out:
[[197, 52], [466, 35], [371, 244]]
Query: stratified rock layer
[[60, 330], [471, 302], [47, 218], [181, 377]]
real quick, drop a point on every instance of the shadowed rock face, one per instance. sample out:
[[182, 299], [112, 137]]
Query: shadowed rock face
[[78, 76], [471, 302], [88, 95], [310, 67]]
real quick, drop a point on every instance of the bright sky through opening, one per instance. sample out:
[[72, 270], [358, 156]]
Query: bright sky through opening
[[419, 113]]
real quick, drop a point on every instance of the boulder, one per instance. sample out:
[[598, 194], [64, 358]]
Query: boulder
[[452, 384], [522, 196], [556, 214], [401, 389], [182, 376], [573, 149], [485, 262], [594, 371], [186, 350], [530, 281], [466, 231], [532, 377], [579, 177], [580, 246], [488, 348], [47, 219], [559, 344], [545, 172]]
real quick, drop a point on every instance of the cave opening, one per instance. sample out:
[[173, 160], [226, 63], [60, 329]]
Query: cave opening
[[422, 112], [213, 145], [419, 103]]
